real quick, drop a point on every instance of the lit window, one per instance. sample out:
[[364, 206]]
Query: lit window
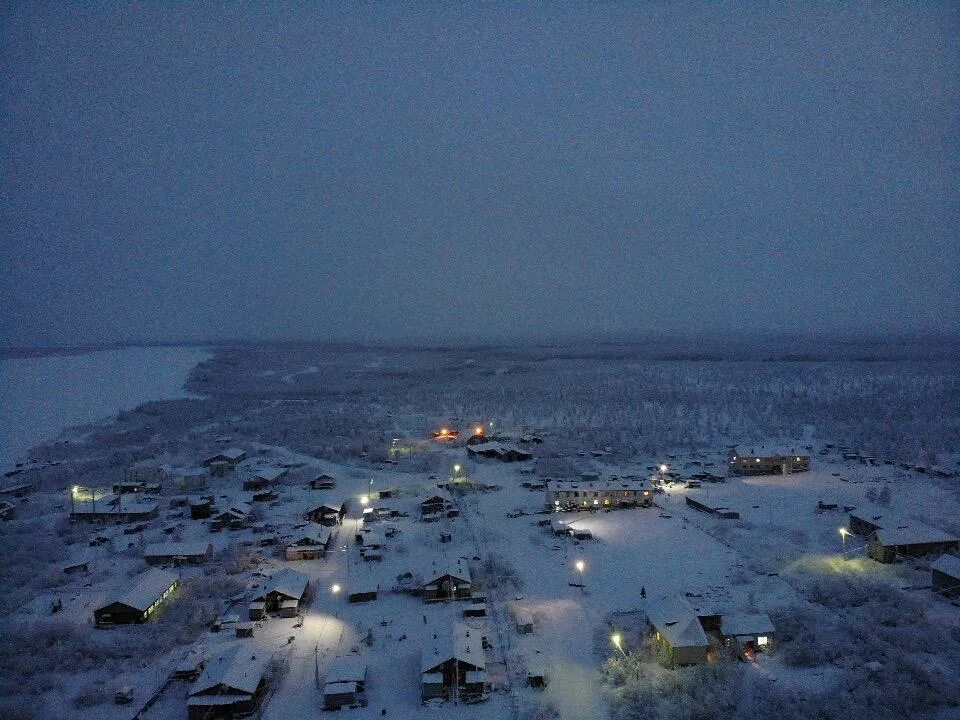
[[762, 640]]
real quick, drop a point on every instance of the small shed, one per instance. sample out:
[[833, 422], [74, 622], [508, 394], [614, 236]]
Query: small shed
[[257, 610], [747, 633], [945, 572], [363, 591], [345, 683], [524, 623], [179, 553]]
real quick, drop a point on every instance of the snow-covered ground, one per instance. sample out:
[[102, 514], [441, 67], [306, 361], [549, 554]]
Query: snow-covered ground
[[42, 396], [365, 418]]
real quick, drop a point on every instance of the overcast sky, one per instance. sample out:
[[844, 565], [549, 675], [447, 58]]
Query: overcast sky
[[388, 171]]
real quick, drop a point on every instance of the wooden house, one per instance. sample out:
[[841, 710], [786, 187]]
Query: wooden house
[[345, 683], [231, 685], [498, 451], [111, 509], [322, 482], [678, 635], [327, 514], [193, 553], [909, 539], [140, 602], [309, 543], [231, 456], [264, 478], [284, 586], [454, 666], [363, 591], [945, 576], [746, 634], [448, 583], [235, 517]]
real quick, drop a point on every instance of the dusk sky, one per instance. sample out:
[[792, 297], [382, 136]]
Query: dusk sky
[[439, 172]]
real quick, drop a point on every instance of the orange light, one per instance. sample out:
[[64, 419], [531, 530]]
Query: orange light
[[479, 430], [443, 431]]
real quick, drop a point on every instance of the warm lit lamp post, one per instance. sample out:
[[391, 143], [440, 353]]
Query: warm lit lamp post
[[843, 533], [581, 566], [73, 495], [335, 591], [617, 639], [663, 468]]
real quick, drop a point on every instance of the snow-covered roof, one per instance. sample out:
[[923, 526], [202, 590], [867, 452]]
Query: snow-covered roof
[[458, 569], [948, 565], [911, 533], [151, 586], [347, 668], [270, 474], [495, 447], [339, 688], [597, 485], [746, 624], [239, 669], [171, 549], [457, 642], [677, 622], [287, 582]]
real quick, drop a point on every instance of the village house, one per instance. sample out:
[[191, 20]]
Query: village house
[[235, 517], [309, 543], [908, 539], [201, 507], [322, 482], [284, 591], [231, 685], [327, 514], [140, 602], [264, 478], [678, 634], [345, 683], [568, 495], [191, 479], [758, 464], [498, 451], [363, 591], [231, 456], [454, 667], [945, 576], [448, 583], [434, 507], [747, 633], [179, 553]]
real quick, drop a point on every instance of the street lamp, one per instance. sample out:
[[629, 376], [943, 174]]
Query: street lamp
[[364, 500], [843, 533], [335, 589], [617, 639], [663, 467], [580, 566]]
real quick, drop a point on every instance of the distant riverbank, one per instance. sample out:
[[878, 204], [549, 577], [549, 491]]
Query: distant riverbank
[[41, 395]]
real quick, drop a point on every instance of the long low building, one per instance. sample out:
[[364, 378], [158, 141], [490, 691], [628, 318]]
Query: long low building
[[140, 602], [567, 495], [910, 539], [498, 451], [111, 509], [178, 552], [759, 464]]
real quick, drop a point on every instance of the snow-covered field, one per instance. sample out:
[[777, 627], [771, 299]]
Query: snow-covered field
[[42, 396], [366, 418]]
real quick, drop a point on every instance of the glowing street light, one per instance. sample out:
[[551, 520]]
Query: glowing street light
[[364, 500], [617, 639], [843, 533], [478, 430], [581, 566], [663, 467], [335, 588]]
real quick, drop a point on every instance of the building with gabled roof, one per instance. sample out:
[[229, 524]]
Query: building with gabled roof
[[908, 538], [747, 633], [231, 456], [498, 451], [232, 684], [327, 513], [945, 576], [454, 665], [447, 582], [345, 683], [679, 636], [179, 552], [137, 604], [284, 586]]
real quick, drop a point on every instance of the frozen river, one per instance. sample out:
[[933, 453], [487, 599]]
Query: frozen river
[[40, 397]]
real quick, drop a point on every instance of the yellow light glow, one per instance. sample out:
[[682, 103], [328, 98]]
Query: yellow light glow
[[579, 565], [616, 639], [335, 589], [762, 640], [364, 500], [456, 468], [478, 430], [844, 532]]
